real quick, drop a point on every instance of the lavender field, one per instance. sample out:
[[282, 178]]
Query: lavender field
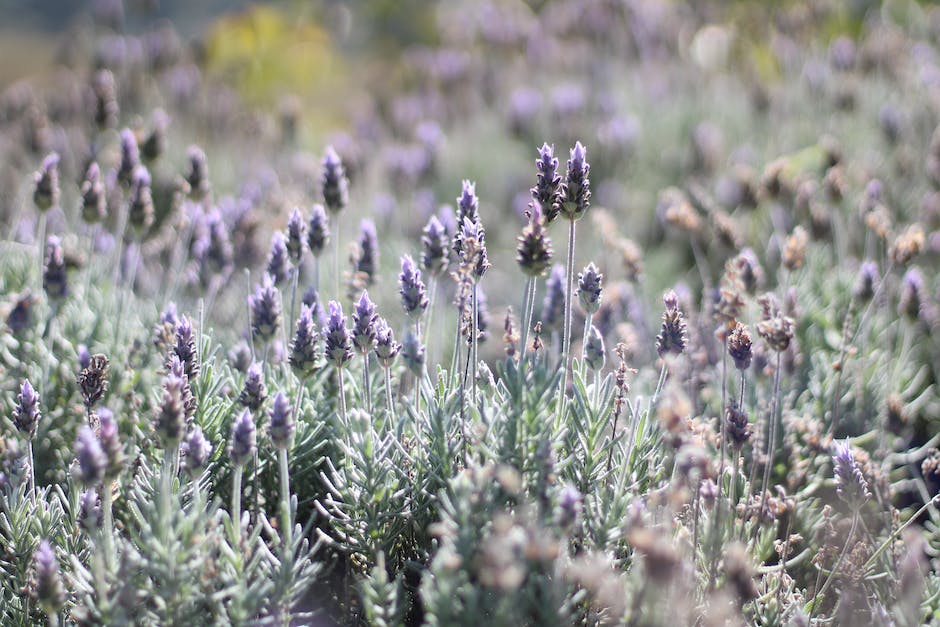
[[470, 312]]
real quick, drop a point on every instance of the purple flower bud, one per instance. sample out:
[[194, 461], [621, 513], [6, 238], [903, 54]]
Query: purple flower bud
[[281, 427], [240, 356], [590, 287], [196, 450], [265, 306], [254, 392], [334, 182], [851, 484], [45, 584], [278, 266], [20, 317], [304, 349], [473, 248], [413, 353], [130, 157], [414, 298], [212, 248], [94, 199], [553, 307], [185, 348], [865, 284], [534, 250], [672, 337], [140, 213], [84, 357], [546, 192], [175, 368], [318, 231], [89, 511], [198, 176], [93, 380], [106, 106], [296, 236], [312, 299], [386, 348], [171, 415], [90, 457], [338, 344], [910, 299], [364, 317], [434, 243], [570, 504], [242, 445], [26, 412], [111, 445], [575, 193], [54, 275], [368, 258], [46, 190], [468, 209], [155, 144]]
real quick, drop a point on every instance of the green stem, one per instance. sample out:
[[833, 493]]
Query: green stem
[[566, 339], [771, 444], [107, 531], [237, 500], [527, 307], [285, 499], [389, 402], [342, 394], [845, 549]]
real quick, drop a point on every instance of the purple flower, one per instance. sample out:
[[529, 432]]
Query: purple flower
[[196, 450], [851, 484], [171, 415], [548, 183], [265, 306], [368, 260], [213, 249], [590, 287], [89, 511], [534, 249], [185, 348], [26, 412], [334, 182], [336, 336], [281, 428], [54, 275], [46, 190], [198, 176], [434, 248], [253, 393], [318, 231], [468, 209], [553, 307], [45, 584], [575, 193], [278, 265], [413, 353], [910, 300], [595, 356], [414, 298], [94, 200], [865, 284], [672, 337], [304, 354], [243, 442], [570, 504], [473, 248], [364, 317], [111, 445], [130, 157], [296, 236], [386, 348], [140, 212], [90, 457]]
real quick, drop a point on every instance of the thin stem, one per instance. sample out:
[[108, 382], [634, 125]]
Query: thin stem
[[432, 298], [32, 470], [237, 500], [367, 384], [293, 299], [316, 274], [107, 531], [474, 341], [771, 443], [566, 339], [641, 427], [584, 337], [41, 246], [285, 498], [845, 549], [389, 403], [528, 305], [336, 271], [342, 395]]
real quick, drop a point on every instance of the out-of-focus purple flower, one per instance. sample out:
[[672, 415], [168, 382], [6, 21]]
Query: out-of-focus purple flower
[[243, 441], [413, 353], [185, 348], [414, 297], [569, 507], [54, 276], [89, 511], [368, 259], [84, 357], [281, 426], [524, 105], [296, 236], [546, 192], [318, 231], [386, 348], [140, 212], [434, 247], [170, 421], [576, 191], [240, 356], [593, 351], [94, 200], [553, 307], [865, 283], [483, 316], [111, 445], [673, 336], [90, 457], [26, 412], [198, 175], [212, 248], [20, 317], [45, 583], [130, 157], [473, 248], [155, 143], [910, 300], [304, 349], [278, 267], [468, 209], [46, 190], [265, 306], [336, 337], [534, 248], [334, 182], [590, 288], [93, 380], [106, 105], [196, 451]]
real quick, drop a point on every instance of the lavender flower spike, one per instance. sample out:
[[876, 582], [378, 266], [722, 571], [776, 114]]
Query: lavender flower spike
[[26, 413], [553, 307], [304, 353], [94, 201], [296, 236], [434, 244], [576, 191], [338, 344], [334, 182], [278, 265], [45, 584], [111, 444], [386, 348], [46, 190], [590, 288], [243, 443], [196, 451], [54, 276], [413, 353], [90, 457], [318, 230], [185, 348], [265, 306], [254, 392], [548, 183], [368, 260], [851, 484], [364, 317], [281, 427], [130, 157], [140, 212], [171, 416], [414, 297]]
